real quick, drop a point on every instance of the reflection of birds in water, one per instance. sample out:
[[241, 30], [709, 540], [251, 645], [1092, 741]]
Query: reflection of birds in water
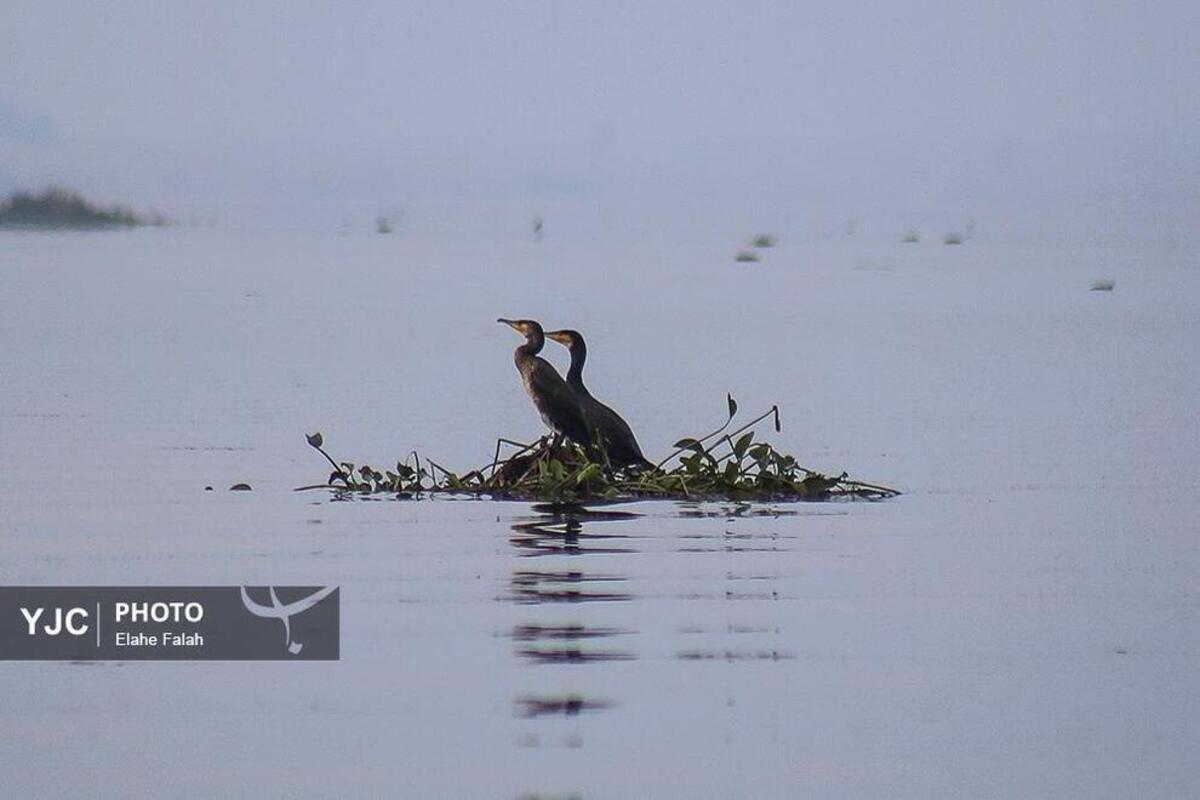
[[608, 428], [555, 401], [558, 528]]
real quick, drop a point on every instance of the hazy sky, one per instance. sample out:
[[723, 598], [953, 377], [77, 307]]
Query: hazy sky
[[792, 113]]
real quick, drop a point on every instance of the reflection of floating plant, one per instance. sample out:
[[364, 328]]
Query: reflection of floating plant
[[911, 237], [719, 465], [763, 240], [746, 255]]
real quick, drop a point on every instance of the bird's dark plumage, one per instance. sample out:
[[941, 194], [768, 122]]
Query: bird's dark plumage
[[607, 425], [556, 402]]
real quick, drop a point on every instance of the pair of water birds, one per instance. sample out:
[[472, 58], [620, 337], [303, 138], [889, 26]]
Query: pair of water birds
[[566, 406]]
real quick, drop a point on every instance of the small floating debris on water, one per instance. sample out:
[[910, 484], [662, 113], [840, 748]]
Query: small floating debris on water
[[208, 488], [910, 237], [746, 256], [764, 240], [958, 237], [240, 487], [1103, 285], [383, 225]]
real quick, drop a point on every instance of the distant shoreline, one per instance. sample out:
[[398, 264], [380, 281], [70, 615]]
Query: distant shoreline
[[56, 208]]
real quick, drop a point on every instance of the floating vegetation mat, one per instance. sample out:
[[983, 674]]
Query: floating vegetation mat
[[727, 465]]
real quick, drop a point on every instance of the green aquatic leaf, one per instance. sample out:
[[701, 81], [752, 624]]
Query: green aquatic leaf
[[739, 447], [586, 474]]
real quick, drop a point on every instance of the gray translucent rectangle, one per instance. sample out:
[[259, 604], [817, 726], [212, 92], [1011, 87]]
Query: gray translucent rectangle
[[169, 623]]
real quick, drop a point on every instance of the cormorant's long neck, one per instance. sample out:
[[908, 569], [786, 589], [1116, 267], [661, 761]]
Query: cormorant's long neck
[[534, 342], [578, 358]]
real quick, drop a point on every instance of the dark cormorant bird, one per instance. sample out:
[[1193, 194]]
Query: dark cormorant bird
[[607, 425], [556, 402]]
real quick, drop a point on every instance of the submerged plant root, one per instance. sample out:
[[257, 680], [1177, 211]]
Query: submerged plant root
[[717, 466]]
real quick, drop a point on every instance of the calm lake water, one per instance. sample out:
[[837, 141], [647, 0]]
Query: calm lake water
[[1023, 622]]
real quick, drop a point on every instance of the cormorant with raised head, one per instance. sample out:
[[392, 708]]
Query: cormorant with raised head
[[608, 428], [559, 406]]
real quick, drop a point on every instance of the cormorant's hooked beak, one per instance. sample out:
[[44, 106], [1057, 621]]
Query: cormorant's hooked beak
[[562, 337], [525, 327]]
